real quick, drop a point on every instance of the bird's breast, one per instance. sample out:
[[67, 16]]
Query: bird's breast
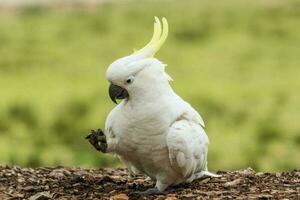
[[146, 153], [142, 142]]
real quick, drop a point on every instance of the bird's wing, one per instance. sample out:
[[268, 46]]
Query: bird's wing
[[185, 110], [192, 115], [188, 145]]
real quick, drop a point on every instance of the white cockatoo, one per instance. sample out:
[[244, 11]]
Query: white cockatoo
[[153, 131]]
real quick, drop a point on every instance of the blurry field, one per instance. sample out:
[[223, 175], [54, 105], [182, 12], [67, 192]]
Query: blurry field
[[237, 63]]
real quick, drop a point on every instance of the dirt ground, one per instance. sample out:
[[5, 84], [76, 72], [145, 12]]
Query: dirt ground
[[76, 183]]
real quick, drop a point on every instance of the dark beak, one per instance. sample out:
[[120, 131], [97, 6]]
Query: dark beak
[[116, 92]]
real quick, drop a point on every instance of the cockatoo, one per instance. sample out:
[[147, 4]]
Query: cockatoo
[[152, 130]]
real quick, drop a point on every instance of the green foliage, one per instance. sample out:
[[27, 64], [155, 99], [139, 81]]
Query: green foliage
[[236, 62]]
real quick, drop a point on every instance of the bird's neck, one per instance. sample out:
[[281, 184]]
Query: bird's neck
[[150, 95]]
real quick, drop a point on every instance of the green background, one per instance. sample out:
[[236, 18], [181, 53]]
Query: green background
[[236, 62]]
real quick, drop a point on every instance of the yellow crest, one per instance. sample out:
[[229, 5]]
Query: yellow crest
[[160, 35]]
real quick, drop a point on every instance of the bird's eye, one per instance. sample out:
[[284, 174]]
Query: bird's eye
[[129, 80]]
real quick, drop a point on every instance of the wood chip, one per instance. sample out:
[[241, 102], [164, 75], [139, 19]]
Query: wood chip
[[233, 183], [41, 196], [119, 197]]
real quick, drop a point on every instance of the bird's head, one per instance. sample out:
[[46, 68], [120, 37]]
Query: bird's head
[[139, 73]]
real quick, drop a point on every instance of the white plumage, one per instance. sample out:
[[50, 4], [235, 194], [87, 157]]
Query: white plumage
[[153, 130]]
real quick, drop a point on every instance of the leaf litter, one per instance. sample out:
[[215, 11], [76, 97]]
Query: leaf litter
[[43, 183]]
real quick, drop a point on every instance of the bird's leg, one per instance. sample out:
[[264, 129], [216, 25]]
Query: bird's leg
[[151, 191], [98, 140], [157, 190]]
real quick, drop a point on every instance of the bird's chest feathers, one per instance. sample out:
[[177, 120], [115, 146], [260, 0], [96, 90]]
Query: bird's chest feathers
[[141, 131]]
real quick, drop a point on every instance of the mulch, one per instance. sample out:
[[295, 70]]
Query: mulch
[[76, 183]]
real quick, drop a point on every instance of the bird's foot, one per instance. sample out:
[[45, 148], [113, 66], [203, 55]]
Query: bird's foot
[[98, 140], [151, 191]]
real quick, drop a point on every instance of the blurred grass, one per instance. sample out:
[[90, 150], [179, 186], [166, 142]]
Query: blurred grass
[[236, 62]]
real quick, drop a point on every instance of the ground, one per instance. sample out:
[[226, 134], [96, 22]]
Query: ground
[[76, 183]]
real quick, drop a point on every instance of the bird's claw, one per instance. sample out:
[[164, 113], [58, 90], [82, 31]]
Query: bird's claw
[[98, 140]]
